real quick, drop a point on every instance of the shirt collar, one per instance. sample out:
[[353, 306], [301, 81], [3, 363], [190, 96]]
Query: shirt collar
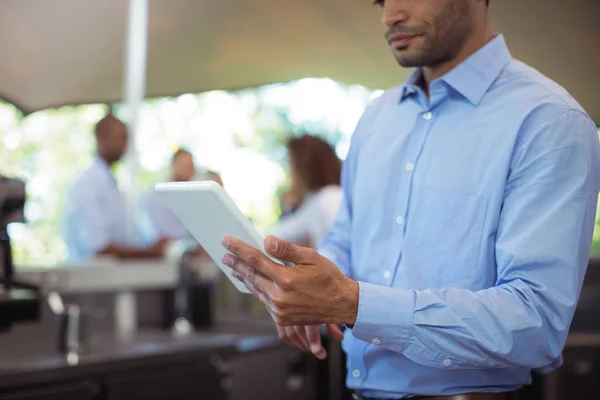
[[474, 76], [410, 87], [103, 166]]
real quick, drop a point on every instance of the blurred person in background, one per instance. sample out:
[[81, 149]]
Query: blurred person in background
[[95, 220], [310, 205], [289, 202], [158, 220], [183, 168]]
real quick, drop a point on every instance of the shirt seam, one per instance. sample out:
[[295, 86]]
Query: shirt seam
[[547, 90]]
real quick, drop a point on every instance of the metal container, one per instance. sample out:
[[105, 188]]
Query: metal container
[[73, 330]]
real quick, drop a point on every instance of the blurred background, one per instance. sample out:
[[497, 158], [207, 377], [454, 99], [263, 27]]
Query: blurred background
[[231, 82], [240, 134]]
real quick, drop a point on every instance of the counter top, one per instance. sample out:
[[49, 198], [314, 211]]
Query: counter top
[[230, 336], [101, 275]]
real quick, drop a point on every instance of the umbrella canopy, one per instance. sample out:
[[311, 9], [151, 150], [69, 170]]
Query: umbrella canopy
[[72, 52]]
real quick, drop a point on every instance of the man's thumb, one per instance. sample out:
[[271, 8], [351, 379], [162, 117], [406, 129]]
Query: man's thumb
[[284, 250]]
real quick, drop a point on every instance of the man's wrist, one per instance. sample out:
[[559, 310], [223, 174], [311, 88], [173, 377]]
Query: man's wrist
[[349, 303]]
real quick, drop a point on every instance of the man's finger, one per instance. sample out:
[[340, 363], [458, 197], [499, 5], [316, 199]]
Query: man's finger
[[302, 335], [335, 332], [250, 276], [314, 338], [252, 257], [286, 251], [261, 296], [258, 294], [283, 335], [295, 339]]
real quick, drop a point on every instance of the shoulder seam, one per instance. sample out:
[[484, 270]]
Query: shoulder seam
[[540, 85], [585, 115]]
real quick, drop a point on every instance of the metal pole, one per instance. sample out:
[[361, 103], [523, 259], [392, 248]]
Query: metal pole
[[133, 94]]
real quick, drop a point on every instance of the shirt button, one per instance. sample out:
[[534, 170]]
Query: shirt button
[[447, 362], [410, 166], [356, 373], [387, 275], [400, 220], [376, 341], [427, 116]]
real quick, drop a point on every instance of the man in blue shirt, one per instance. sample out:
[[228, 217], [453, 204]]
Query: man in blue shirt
[[95, 211], [460, 248]]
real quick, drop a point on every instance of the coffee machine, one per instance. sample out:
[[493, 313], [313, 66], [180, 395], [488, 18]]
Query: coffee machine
[[18, 302]]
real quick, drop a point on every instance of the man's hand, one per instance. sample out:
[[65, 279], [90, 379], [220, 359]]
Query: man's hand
[[308, 338], [312, 292]]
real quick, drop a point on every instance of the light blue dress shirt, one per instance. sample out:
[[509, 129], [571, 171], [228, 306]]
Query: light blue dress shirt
[[467, 220], [95, 213]]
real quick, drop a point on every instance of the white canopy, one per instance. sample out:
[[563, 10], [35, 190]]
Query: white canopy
[[72, 51]]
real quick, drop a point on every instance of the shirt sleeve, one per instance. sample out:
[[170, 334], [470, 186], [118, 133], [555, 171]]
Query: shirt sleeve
[[542, 251]]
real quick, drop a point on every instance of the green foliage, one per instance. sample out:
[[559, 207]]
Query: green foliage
[[596, 245], [596, 239]]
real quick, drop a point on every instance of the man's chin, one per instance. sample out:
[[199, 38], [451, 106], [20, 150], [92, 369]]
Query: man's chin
[[406, 59], [408, 62]]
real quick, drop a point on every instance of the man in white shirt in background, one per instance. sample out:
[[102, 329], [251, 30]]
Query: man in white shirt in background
[[95, 216]]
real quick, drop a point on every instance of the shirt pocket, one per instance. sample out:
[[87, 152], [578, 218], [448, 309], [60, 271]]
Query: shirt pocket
[[444, 235]]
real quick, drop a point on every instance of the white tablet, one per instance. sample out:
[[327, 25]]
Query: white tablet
[[209, 214]]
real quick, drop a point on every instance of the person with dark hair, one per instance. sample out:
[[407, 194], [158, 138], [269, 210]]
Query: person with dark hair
[[156, 218], [315, 174], [95, 214], [459, 251], [183, 168]]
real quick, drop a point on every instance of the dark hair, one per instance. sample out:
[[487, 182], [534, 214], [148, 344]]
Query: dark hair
[[315, 160], [487, 2]]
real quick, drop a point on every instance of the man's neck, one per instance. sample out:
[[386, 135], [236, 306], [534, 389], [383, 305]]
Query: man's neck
[[108, 162], [431, 73]]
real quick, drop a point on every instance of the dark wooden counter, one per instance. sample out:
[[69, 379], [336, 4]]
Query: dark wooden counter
[[151, 365]]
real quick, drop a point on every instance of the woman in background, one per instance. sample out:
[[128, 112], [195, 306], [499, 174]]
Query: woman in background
[[315, 193]]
